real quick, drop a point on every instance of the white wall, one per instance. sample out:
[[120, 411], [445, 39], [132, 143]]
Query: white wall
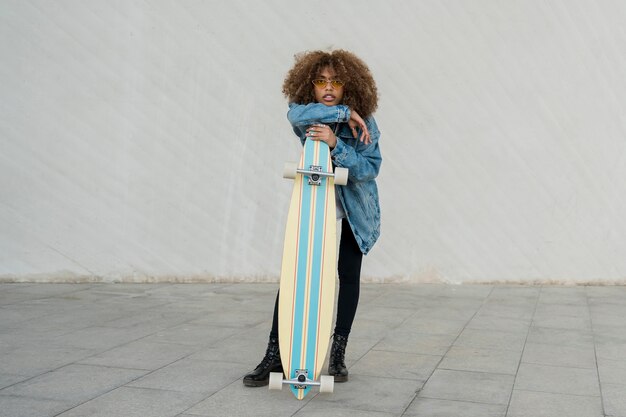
[[144, 140]]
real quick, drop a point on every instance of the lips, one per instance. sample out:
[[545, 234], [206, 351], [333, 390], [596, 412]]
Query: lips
[[328, 97]]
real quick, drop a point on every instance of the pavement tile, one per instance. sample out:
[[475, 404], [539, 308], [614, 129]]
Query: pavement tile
[[152, 319], [356, 349], [613, 325], [314, 409], [64, 322], [11, 406], [490, 339], [571, 310], [246, 347], [73, 383], [229, 317], [447, 309], [498, 323], [34, 359], [239, 400], [514, 292], [613, 348], [396, 365], [429, 325], [468, 386], [614, 397], [563, 355], [7, 380], [369, 393], [563, 322], [99, 338], [557, 380], [429, 407], [116, 292], [12, 339], [392, 317], [38, 291], [363, 328], [563, 295], [522, 312], [140, 355], [193, 334], [14, 315], [403, 340], [612, 372], [403, 299], [26, 310], [187, 375], [612, 300], [607, 305], [561, 337], [606, 292], [463, 358], [543, 404], [608, 323], [478, 292], [460, 297], [136, 402]]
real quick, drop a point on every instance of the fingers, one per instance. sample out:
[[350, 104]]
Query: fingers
[[357, 120], [322, 133], [317, 131], [365, 135]]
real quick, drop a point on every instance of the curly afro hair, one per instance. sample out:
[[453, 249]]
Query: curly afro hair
[[360, 92]]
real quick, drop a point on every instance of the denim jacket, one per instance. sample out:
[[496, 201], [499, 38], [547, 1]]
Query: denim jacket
[[359, 197]]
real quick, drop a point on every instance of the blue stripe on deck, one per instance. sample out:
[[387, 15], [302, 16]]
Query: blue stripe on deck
[[301, 271]]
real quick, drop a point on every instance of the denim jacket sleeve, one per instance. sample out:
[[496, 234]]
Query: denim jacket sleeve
[[363, 161], [303, 115]]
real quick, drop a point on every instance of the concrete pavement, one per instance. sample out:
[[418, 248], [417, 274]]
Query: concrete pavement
[[168, 350]]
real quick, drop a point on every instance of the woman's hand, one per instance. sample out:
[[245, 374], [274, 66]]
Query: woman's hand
[[356, 120], [322, 132]]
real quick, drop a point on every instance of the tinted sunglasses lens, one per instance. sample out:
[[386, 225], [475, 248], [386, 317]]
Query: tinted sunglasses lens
[[322, 83]]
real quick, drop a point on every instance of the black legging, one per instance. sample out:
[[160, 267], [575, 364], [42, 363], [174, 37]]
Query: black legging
[[349, 267]]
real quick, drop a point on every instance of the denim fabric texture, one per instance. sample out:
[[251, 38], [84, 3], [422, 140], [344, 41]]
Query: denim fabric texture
[[359, 197]]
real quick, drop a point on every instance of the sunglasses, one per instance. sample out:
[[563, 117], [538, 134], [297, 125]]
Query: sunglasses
[[320, 82]]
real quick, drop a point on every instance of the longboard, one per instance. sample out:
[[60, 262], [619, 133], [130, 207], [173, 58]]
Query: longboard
[[307, 281]]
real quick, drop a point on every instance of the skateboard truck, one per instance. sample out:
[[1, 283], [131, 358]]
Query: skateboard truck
[[301, 381], [315, 173], [302, 376]]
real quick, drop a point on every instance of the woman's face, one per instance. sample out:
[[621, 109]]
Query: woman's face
[[328, 93]]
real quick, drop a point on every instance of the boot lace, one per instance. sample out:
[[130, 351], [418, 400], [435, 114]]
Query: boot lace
[[339, 352], [270, 355]]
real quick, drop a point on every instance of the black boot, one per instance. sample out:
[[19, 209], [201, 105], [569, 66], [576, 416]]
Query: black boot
[[337, 363], [270, 363]]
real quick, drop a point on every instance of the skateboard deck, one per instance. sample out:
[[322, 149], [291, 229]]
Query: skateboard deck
[[307, 282]]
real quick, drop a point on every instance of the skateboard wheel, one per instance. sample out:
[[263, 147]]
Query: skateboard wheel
[[327, 384], [341, 176], [290, 170], [276, 381]]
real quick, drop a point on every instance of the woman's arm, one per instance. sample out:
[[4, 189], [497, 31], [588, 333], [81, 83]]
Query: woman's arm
[[364, 161], [302, 115]]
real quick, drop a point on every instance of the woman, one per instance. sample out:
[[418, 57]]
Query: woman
[[332, 97]]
